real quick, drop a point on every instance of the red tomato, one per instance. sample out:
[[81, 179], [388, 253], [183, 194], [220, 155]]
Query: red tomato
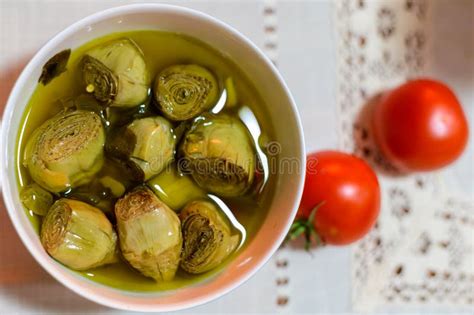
[[420, 126], [346, 193]]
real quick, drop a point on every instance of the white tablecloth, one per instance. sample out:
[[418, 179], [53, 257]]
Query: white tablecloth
[[306, 56]]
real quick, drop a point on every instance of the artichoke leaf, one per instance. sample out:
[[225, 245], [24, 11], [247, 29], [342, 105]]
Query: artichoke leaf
[[85, 102], [78, 235], [184, 91], [99, 80], [175, 189], [116, 187], [66, 151], [149, 233], [232, 99], [36, 199], [207, 237], [54, 66]]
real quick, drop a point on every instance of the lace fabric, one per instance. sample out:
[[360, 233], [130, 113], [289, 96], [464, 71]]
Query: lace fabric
[[421, 249]]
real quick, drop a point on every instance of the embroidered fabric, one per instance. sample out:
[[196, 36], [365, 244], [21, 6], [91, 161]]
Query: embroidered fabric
[[421, 249]]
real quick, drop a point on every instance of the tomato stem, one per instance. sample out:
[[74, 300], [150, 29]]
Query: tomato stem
[[305, 226]]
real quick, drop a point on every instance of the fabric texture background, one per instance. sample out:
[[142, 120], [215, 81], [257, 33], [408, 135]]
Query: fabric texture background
[[335, 57]]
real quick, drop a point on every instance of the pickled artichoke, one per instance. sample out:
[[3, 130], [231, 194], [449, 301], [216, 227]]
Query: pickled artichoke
[[36, 199], [116, 74], [207, 237], [184, 91], [219, 155], [149, 234], [78, 235], [147, 145], [66, 151]]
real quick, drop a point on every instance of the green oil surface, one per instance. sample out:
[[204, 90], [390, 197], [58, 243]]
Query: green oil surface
[[161, 49]]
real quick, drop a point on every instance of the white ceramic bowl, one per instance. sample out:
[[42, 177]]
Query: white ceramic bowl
[[282, 113]]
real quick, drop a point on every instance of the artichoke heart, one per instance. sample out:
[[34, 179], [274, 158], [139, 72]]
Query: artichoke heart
[[116, 73], [184, 91], [207, 238], [78, 235], [149, 234], [219, 155], [66, 151], [146, 144]]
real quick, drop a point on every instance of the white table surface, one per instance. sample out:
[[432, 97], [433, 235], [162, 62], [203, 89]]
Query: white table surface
[[306, 59]]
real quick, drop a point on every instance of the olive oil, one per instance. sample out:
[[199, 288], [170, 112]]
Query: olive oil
[[161, 50]]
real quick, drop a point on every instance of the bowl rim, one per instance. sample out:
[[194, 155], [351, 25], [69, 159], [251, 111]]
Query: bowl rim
[[6, 189]]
